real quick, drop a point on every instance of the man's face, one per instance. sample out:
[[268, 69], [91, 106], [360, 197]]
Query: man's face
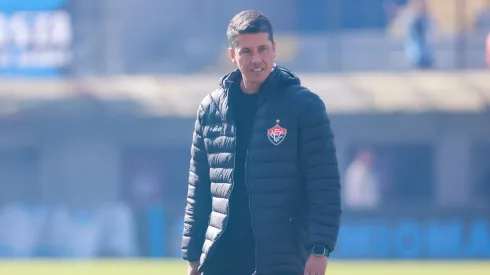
[[254, 55]]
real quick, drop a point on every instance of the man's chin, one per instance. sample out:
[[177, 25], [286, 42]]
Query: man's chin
[[257, 78]]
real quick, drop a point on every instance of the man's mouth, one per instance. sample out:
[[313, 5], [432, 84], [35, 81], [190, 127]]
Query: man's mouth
[[258, 70]]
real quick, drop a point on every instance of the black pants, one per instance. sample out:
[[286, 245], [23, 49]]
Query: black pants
[[234, 273], [227, 261], [229, 270], [234, 253]]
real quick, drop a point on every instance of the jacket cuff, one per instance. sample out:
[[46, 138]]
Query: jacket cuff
[[190, 258]]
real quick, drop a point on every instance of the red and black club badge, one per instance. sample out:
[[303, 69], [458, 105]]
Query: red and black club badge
[[276, 134]]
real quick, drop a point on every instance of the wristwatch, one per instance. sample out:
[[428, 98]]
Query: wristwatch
[[320, 250]]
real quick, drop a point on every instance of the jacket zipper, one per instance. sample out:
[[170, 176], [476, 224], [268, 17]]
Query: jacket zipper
[[250, 209], [250, 195]]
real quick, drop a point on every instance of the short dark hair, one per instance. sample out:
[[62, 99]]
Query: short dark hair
[[248, 21]]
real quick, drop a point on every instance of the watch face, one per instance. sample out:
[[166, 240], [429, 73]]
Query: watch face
[[319, 250]]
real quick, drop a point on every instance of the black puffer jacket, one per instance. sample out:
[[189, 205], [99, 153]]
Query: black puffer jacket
[[291, 174]]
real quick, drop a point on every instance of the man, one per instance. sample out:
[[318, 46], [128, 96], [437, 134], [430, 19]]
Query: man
[[361, 183], [420, 34], [488, 50], [264, 188]]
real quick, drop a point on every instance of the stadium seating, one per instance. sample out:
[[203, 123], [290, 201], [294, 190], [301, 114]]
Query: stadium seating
[[451, 16], [375, 50], [446, 13]]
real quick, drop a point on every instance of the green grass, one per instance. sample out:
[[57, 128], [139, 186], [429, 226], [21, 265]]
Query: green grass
[[169, 267]]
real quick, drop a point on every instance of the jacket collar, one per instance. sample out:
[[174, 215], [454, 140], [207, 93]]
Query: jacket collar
[[278, 77]]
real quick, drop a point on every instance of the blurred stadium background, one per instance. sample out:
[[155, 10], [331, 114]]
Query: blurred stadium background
[[98, 97]]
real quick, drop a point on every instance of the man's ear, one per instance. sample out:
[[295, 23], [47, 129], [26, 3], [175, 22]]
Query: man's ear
[[231, 52], [274, 48]]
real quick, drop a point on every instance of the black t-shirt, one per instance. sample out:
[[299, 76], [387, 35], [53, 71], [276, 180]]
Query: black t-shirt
[[244, 108], [236, 248]]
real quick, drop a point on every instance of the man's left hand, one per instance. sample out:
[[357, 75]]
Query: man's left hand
[[316, 265]]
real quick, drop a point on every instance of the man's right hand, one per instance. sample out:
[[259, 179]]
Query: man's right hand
[[193, 268]]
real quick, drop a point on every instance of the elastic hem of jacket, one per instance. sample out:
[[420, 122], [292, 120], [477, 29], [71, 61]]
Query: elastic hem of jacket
[[191, 259]]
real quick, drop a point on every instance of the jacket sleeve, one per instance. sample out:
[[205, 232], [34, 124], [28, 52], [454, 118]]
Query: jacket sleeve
[[320, 173], [198, 206]]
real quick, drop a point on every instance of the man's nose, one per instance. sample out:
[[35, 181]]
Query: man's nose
[[256, 58]]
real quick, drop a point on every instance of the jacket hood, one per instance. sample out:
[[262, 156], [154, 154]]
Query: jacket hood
[[280, 76]]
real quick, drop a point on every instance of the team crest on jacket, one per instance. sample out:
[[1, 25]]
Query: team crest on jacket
[[276, 134]]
